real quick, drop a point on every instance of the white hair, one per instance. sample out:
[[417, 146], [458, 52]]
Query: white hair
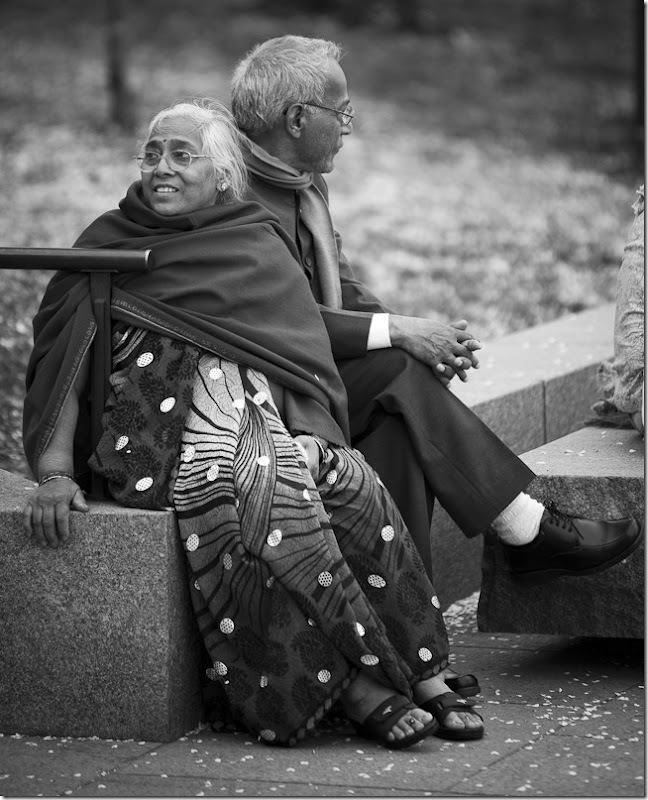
[[217, 132], [277, 73]]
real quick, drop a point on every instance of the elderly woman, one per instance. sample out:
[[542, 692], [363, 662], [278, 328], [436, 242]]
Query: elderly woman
[[226, 406]]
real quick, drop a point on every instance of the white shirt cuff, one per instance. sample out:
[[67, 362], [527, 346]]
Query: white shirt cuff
[[379, 337]]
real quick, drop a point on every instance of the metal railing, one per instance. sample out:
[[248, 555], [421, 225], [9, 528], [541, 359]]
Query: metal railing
[[100, 265]]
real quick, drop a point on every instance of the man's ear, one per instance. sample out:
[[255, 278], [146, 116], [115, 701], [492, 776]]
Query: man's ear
[[295, 120]]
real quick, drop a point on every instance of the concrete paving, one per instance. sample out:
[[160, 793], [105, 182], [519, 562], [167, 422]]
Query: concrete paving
[[564, 717]]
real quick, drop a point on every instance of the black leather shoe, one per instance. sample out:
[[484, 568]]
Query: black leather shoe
[[569, 545]]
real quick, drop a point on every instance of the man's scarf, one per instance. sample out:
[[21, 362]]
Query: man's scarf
[[315, 215], [225, 278]]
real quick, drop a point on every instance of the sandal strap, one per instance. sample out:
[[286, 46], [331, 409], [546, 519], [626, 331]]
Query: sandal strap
[[467, 681], [447, 703], [383, 717]]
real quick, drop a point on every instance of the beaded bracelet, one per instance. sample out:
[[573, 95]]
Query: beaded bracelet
[[54, 476]]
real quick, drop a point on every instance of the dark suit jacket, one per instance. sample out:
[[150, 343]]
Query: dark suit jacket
[[348, 327]]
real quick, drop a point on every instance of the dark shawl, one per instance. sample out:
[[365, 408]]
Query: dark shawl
[[225, 278]]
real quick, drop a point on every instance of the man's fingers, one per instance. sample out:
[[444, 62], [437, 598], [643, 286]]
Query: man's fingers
[[461, 324], [444, 374], [447, 370], [464, 337]]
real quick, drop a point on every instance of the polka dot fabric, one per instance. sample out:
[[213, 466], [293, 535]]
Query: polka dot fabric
[[151, 387]]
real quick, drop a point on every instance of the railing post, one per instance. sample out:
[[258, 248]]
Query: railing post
[[100, 265], [100, 294]]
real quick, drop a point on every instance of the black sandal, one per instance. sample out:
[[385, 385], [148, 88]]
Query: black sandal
[[381, 720], [464, 685], [446, 703]]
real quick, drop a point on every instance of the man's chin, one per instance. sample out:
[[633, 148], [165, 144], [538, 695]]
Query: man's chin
[[327, 167]]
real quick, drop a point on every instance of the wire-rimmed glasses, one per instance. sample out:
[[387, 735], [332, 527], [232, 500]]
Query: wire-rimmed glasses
[[344, 116], [178, 160]]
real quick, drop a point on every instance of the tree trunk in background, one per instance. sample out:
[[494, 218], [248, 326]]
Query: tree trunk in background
[[408, 13], [120, 96], [640, 62]]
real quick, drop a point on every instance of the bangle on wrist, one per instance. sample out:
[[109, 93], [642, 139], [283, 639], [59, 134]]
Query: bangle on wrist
[[53, 476], [321, 449]]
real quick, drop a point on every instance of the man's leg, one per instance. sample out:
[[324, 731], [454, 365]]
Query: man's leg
[[476, 478], [463, 463]]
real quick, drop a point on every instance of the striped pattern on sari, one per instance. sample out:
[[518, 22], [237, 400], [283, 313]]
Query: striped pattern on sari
[[295, 584]]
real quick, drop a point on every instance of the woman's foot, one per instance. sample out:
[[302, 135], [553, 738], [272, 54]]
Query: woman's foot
[[364, 696], [465, 722]]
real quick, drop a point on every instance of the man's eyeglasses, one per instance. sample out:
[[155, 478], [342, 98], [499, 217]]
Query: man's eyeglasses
[[344, 117], [178, 160]]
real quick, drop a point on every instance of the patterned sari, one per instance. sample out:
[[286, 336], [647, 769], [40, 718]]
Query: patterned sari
[[296, 583]]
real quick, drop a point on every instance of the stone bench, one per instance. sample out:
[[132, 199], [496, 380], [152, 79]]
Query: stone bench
[[98, 638], [594, 472]]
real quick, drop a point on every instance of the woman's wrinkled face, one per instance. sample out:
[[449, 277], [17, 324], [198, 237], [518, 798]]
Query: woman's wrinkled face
[[169, 190]]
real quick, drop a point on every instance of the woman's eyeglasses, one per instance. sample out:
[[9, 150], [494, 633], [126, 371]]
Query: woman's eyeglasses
[[178, 160]]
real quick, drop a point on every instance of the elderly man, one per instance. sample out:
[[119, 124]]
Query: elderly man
[[290, 98]]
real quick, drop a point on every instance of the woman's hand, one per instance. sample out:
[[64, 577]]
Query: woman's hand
[[311, 452], [47, 513]]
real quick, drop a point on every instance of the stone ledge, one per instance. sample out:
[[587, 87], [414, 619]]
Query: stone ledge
[[548, 371], [594, 472], [98, 637]]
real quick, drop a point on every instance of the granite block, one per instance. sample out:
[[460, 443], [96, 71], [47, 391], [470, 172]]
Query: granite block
[[568, 401], [541, 353], [596, 473], [98, 637], [517, 417], [558, 359], [456, 560]]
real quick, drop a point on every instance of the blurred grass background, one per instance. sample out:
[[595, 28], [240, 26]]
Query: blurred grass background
[[494, 159]]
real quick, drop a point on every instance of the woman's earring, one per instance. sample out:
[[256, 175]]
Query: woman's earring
[[223, 186]]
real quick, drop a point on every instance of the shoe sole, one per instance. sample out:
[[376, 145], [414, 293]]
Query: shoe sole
[[460, 734], [548, 575], [398, 744]]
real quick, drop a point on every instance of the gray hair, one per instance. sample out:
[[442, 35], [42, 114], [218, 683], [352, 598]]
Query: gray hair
[[276, 73], [216, 130]]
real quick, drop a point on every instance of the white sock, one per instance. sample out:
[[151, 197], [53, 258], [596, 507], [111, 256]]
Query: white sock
[[519, 523]]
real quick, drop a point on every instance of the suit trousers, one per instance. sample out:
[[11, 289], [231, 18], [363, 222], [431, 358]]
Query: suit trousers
[[424, 443]]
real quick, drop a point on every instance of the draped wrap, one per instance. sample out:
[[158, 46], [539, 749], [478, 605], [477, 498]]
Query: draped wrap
[[225, 278]]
